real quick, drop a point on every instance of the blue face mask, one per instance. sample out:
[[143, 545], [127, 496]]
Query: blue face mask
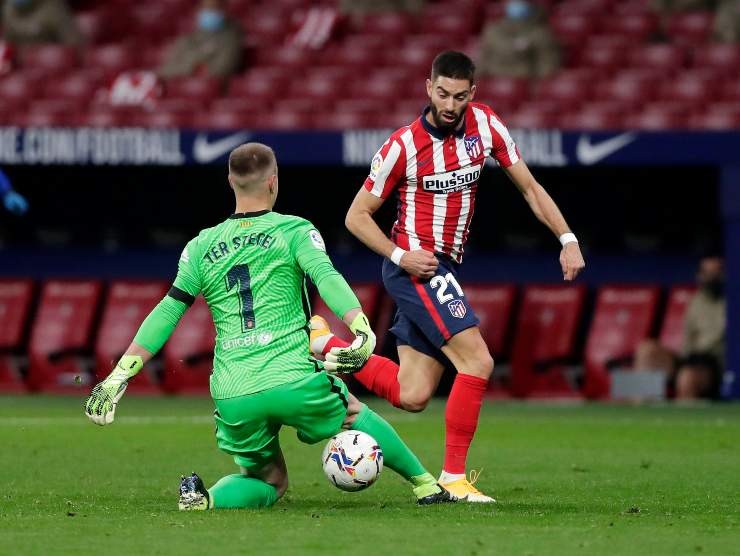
[[210, 20], [518, 9]]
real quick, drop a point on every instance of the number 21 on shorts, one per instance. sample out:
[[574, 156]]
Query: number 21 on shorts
[[442, 283]]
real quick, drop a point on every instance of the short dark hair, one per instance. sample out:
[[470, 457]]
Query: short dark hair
[[250, 160], [454, 65]]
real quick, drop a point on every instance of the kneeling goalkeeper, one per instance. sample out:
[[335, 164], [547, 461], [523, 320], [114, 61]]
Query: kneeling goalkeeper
[[251, 270]]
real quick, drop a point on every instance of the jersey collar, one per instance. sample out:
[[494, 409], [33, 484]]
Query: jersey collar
[[249, 214], [434, 131]]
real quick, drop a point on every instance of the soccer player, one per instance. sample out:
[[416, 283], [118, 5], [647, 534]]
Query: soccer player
[[433, 165], [252, 270]]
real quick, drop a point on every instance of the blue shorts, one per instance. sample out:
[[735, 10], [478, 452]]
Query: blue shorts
[[429, 312]]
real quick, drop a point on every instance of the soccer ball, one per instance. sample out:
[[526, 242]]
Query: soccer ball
[[352, 460]]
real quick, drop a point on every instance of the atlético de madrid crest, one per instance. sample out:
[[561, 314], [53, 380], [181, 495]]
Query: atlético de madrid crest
[[457, 308], [473, 146]]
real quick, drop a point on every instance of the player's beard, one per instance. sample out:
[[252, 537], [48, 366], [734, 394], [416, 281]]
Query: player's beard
[[444, 125]]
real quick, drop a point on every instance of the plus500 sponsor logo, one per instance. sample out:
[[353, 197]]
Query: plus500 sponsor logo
[[450, 182]]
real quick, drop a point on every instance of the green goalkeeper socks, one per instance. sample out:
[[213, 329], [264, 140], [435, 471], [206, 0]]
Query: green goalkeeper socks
[[396, 454], [238, 491]]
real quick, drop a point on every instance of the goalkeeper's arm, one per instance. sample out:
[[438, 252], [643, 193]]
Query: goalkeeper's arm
[[100, 406]]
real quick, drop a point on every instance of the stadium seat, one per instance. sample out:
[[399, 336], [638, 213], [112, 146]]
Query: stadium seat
[[386, 90], [724, 57], [689, 89], [345, 120], [624, 316], [284, 120], [188, 355], [153, 21], [631, 92], [388, 24], [659, 116], [18, 89], [15, 309], [105, 116], [572, 28], [606, 58], [165, 119], [533, 116], [717, 116], [112, 59], [47, 113], [225, 118], [257, 87], [690, 28], [567, 88], [593, 117], [730, 90], [126, 305], [509, 90], [78, 87], [351, 56], [637, 26], [417, 59], [672, 331], [52, 59], [201, 89], [494, 305], [266, 25], [320, 87], [62, 333], [545, 340], [285, 56], [666, 58], [452, 25], [95, 25], [586, 7]]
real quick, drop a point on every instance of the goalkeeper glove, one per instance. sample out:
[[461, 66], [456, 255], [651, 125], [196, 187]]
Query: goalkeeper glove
[[352, 358], [100, 406]]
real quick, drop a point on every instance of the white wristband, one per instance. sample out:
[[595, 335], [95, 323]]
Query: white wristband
[[397, 254], [568, 238]]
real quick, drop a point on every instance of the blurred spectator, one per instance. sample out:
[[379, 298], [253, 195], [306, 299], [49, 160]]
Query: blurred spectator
[[39, 21], [697, 373], [215, 47], [667, 7], [727, 21], [520, 44], [12, 200], [358, 7]]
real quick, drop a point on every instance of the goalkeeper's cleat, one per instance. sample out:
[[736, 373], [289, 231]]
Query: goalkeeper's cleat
[[193, 493], [465, 491], [440, 496], [320, 335]]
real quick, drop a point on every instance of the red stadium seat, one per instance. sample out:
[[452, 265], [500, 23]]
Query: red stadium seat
[[153, 21], [112, 59], [284, 120], [533, 116], [62, 332], [319, 87], [593, 117], [672, 331], [494, 304], [417, 59], [15, 305], [48, 113], [572, 28], [510, 90], [126, 305], [351, 56], [78, 87], [103, 116], [226, 118], [201, 89], [53, 59], [388, 24], [18, 89], [378, 89], [690, 28], [286, 56], [637, 27], [689, 89], [716, 119], [188, 355], [724, 57], [624, 315], [730, 91], [255, 87], [95, 25], [345, 120], [606, 58], [633, 92], [587, 7], [545, 339], [568, 88], [167, 117], [659, 116], [267, 26], [452, 25], [658, 57]]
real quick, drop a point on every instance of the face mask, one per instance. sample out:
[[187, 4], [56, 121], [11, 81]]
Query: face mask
[[210, 20], [715, 287], [518, 9]]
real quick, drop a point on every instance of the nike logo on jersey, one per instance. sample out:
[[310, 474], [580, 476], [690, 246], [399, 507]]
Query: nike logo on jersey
[[589, 153], [205, 151]]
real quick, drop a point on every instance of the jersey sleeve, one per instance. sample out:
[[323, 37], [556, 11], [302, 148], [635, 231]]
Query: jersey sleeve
[[188, 282], [309, 251], [504, 151], [387, 169]]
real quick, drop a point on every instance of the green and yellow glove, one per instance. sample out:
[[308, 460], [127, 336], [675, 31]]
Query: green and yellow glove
[[352, 358], [100, 406]]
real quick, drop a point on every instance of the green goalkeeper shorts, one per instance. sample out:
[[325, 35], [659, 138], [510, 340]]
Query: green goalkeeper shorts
[[247, 427]]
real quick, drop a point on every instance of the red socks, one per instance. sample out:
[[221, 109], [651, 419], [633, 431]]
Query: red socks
[[461, 419], [379, 375]]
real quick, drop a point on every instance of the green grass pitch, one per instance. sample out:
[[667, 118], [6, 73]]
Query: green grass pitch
[[569, 480]]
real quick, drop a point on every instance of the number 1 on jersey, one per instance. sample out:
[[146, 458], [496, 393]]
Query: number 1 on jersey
[[239, 274]]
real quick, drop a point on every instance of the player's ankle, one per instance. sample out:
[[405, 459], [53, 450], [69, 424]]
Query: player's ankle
[[447, 477]]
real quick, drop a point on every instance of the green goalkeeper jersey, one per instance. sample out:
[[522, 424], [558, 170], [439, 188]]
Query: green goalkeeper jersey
[[251, 270]]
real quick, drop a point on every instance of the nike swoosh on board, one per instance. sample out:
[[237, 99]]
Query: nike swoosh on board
[[205, 151], [588, 153]]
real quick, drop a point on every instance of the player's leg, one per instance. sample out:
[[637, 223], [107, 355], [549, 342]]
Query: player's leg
[[252, 488]]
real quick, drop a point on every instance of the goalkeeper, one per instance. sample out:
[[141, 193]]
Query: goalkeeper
[[252, 270]]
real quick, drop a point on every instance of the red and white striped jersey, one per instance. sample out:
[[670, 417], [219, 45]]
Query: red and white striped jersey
[[436, 177]]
